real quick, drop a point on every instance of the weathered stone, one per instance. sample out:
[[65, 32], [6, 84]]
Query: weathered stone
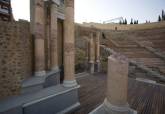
[[39, 38], [69, 40], [53, 42], [15, 60]]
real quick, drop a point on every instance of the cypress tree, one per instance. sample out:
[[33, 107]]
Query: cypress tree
[[123, 22], [126, 21], [131, 21], [120, 22], [137, 22], [134, 21], [159, 19], [163, 15]]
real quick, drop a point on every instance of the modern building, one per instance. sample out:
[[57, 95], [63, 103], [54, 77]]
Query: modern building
[[5, 10]]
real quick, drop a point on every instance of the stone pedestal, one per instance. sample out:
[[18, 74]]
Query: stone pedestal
[[92, 67], [117, 88], [98, 65], [53, 39], [69, 45], [39, 38]]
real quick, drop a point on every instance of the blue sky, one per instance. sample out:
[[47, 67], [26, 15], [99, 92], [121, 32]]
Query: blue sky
[[102, 10]]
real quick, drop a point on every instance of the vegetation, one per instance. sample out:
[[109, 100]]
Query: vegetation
[[131, 21], [162, 17], [80, 60]]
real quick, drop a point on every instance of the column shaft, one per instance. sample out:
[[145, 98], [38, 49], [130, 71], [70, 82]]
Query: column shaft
[[69, 45], [53, 43], [92, 54], [39, 38], [98, 47], [117, 81]]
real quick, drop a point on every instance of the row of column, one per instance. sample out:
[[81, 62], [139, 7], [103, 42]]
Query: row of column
[[93, 52], [38, 25]]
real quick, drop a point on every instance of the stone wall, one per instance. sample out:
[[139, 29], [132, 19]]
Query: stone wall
[[15, 56]]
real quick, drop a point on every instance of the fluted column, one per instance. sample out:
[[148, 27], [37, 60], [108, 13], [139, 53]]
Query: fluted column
[[69, 45], [98, 51], [53, 32], [92, 54], [39, 38]]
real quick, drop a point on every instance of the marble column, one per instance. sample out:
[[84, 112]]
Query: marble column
[[117, 88], [53, 39], [39, 35], [92, 54], [69, 45], [117, 85], [98, 51]]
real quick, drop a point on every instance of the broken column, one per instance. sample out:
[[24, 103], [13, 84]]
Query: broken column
[[92, 54], [39, 38], [98, 51], [53, 39], [117, 88], [69, 45]]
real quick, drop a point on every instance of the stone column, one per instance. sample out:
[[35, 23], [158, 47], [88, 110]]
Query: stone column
[[32, 3], [92, 54], [98, 51], [53, 39], [69, 45], [47, 13], [87, 54], [39, 38], [117, 85]]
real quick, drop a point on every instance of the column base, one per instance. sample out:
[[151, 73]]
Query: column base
[[91, 67], [40, 73], [108, 108], [70, 83], [55, 69], [98, 65]]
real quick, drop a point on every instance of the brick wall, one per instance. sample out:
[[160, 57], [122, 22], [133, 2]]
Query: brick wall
[[15, 56]]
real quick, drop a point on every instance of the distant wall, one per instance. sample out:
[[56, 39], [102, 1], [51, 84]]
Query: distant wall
[[126, 27], [15, 56]]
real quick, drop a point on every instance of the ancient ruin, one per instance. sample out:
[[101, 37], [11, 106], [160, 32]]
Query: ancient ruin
[[53, 65]]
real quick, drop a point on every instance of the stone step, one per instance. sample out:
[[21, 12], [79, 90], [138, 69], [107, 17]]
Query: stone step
[[35, 83], [51, 100]]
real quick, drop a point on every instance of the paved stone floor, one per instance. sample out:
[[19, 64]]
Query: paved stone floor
[[143, 97]]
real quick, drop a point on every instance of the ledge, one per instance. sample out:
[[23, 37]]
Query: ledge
[[38, 99]]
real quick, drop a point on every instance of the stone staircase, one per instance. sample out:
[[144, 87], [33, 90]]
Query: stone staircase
[[141, 47]]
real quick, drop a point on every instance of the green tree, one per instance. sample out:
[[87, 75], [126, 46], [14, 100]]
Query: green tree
[[131, 21], [126, 21], [123, 22], [120, 22], [137, 22], [134, 21], [159, 19], [163, 15]]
